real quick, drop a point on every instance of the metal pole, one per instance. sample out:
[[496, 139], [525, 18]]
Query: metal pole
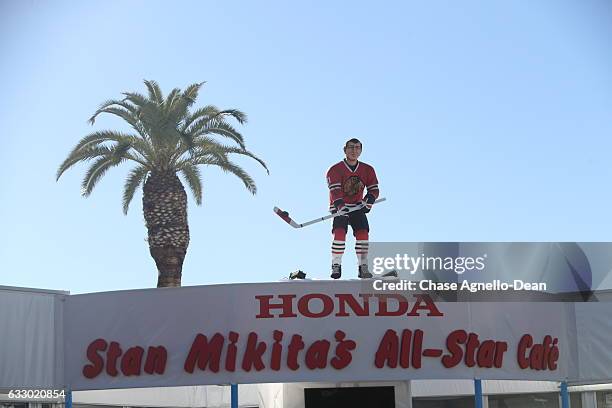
[[478, 393], [564, 395], [234, 388], [68, 398]]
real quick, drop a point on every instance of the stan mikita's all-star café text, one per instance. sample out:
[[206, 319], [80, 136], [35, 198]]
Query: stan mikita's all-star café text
[[278, 349]]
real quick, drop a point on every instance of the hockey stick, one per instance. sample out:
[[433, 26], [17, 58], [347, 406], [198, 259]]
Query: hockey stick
[[285, 215]]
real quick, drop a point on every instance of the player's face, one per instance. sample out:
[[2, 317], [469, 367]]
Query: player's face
[[352, 151]]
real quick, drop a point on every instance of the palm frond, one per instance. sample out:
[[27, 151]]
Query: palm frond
[[167, 137], [136, 158], [147, 118], [171, 99], [131, 118], [193, 146], [200, 125], [122, 113], [240, 116], [179, 109], [137, 99], [136, 176], [208, 111], [125, 111], [244, 152], [229, 167], [204, 148], [212, 112], [224, 129], [82, 155], [95, 173], [155, 92], [191, 92], [97, 138], [192, 175], [115, 104], [187, 140], [143, 147]]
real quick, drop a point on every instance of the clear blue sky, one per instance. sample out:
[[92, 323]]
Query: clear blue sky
[[486, 121]]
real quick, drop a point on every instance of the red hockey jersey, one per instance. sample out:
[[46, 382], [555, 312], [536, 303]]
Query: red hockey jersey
[[348, 184]]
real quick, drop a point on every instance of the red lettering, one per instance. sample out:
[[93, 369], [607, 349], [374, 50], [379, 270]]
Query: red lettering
[[452, 345], [205, 353], [525, 342], [265, 306], [253, 353], [542, 356], [553, 355], [417, 348], [294, 349], [547, 347], [405, 348], [316, 355], [470, 349], [383, 309], [97, 362], [277, 348], [387, 350], [424, 302], [500, 349], [304, 305], [486, 354], [232, 351], [114, 351], [347, 305], [132, 361], [536, 357], [343, 351], [156, 360], [348, 300]]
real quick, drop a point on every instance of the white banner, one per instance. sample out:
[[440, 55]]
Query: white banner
[[31, 338], [308, 331]]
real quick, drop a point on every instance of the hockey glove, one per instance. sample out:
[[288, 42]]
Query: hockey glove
[[368, 202], [341, 208]]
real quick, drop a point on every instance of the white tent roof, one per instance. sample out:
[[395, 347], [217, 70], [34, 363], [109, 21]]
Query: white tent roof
[[200, 396], [33, 345], [282, 395]]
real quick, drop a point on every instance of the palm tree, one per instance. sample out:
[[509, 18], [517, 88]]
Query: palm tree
[[169, 139]]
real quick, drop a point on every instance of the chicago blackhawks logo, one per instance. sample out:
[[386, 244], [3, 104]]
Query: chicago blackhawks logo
[[352, 186]]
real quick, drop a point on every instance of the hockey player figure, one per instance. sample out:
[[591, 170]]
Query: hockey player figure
[[346, 181]]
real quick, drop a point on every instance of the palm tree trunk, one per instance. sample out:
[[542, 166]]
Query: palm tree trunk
[[164, 204]]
